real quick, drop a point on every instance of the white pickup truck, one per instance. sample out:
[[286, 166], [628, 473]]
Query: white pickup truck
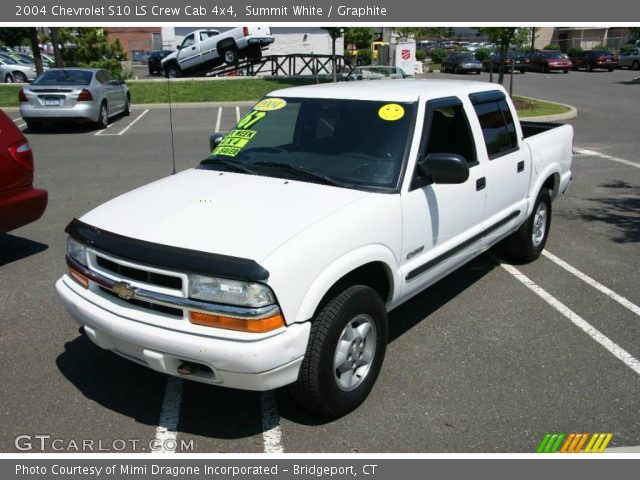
[[203, 50], [277, 259]]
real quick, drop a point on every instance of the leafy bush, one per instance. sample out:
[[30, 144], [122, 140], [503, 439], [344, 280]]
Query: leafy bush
[[420, 55], [438, 54], [552, 46], [574, 51], [364, 56], [482, 54]]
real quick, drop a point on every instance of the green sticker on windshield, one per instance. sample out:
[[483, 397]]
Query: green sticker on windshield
[[250, 118], [233, 142]]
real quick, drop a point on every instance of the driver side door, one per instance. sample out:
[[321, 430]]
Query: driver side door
[[442, 223], [189, 54]]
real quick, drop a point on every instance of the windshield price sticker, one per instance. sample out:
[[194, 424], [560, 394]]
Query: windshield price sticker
[[233, 142], [391, 112], [250, 118], [270, 104]]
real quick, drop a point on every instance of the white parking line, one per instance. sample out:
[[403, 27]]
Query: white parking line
[[124, 130], [237, 114], [167, 430], [271, 431], [613, 348], [100, 133], [595, 284], [21, 125], [607, 157], [218, 120]]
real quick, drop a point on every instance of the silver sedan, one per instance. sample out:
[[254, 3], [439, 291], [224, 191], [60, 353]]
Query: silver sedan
[[74, 95], [630, 59]]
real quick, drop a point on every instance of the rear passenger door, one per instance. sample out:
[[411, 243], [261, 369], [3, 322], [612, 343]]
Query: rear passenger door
[[508, 164]]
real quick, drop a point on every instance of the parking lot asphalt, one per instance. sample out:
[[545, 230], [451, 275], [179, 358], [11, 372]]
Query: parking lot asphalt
[[487, 360]]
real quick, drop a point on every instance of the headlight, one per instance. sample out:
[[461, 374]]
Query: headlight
[[77, 251], [231, 292]]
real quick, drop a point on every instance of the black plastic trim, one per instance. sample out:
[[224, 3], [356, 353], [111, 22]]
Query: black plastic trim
[[165, 256], [486, 97], [441, 258]]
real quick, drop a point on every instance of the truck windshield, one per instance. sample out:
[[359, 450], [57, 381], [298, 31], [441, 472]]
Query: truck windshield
[[349, 143]]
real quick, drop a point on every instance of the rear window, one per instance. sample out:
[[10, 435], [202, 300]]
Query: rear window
[[552, 55], [64, 77], [498, 127]]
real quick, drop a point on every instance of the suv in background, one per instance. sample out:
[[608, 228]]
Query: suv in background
[[592, 59], [155, 61]]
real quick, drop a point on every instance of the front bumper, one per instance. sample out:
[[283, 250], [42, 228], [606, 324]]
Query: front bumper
[[261, 362]]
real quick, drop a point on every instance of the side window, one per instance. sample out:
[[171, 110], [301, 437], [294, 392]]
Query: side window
[[449, 132], [498, 131], [100, 76], [188, 41], [107, 76]]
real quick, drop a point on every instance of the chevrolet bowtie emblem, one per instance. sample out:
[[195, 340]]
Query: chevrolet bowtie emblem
[[124, 290]]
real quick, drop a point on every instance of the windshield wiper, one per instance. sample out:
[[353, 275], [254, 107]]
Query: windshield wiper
[[303, 172], [234, 164]]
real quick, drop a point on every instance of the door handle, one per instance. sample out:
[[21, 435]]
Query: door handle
[[521, 166], [481, 183]]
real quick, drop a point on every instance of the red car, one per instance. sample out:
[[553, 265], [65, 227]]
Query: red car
[[546, 61], [20, 203]]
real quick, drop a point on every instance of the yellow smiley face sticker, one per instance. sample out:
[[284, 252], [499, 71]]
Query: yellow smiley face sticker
[[270, 104], [391, 112]]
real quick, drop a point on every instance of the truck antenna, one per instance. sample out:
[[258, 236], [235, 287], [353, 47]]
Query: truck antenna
[[173, 148]]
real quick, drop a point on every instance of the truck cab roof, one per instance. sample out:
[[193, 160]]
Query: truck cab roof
[[406, 91]]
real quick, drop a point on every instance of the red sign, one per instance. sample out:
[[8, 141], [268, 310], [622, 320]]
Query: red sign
[[405, 54]]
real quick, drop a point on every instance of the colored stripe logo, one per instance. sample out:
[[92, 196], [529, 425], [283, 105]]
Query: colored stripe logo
[[574, 442]]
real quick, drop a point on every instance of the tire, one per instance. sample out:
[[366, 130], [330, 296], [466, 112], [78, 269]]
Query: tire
[[456, 71], [565, 71], [127, 106], [172, 71], [544, 69], [103, 116], [523, 71], [611, 70], [8, 78], [527, 243], [19, 77], [589, 67], [635, 65], [34, 126], [230, 56], [338, 341]]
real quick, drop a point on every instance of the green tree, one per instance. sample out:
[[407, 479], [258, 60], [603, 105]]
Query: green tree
[[359, 37], [335, 33], [502, 37], [13, 37], [88, 47]]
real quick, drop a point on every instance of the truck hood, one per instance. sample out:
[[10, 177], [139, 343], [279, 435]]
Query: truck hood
[[220, 212]]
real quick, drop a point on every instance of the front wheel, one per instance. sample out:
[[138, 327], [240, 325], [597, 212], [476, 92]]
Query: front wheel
[[8, 78], [527, 243], [172, 71], [635, 65], [345, 352], [20, 77], [127, 106]]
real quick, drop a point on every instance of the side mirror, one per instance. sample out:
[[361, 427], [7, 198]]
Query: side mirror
[[446, 168], [178, 47], [215, 140]]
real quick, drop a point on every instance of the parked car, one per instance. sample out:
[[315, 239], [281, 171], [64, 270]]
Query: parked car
[[630, 58], [74, 94], [520, 62], [461, 62], [375, 72], [595, 59], [12, 71], [545, 61], [206, 49], [155, 61], [380, 189], [20, 202]]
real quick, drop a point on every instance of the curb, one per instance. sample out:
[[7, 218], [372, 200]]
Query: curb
[[572, 113]]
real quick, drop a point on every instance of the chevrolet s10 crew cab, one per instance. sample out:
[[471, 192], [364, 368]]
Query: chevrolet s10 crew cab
[[277, 259]]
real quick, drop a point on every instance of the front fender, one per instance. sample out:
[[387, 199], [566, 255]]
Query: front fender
[[343, 266]]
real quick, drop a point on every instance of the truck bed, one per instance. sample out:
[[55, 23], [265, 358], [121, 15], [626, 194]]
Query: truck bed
[[529, 129]]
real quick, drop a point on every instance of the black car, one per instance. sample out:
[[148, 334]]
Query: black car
[[592, 59], [461, 62], [155, 61], [494, 63]]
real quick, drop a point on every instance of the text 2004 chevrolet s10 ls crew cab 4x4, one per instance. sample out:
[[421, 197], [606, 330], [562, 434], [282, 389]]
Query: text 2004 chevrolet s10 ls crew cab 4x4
[[276, 260]]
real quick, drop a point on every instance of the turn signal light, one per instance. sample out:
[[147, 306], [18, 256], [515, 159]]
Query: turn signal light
[[85, 96], [79, 278], [21, 96], [22, 155], [261, 325]]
